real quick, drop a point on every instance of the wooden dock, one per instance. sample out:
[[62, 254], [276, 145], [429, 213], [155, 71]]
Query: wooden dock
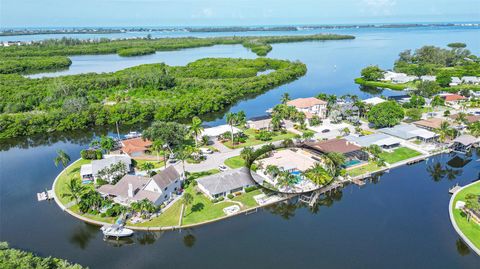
[[358, 182], [454, 189], [312, 199]]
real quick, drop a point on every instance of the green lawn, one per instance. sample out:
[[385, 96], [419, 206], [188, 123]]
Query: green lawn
[[64, 178], [156, 164], [235, 162], [247, 198], [252, 141], [469, 229], [399, 154], [370, 167], [168, 218]]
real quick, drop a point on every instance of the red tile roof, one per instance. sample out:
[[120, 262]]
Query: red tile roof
[[453, 97], [306, 102], [135, 145]]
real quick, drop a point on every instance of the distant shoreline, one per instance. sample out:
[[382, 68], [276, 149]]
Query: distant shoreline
[[291, 28]]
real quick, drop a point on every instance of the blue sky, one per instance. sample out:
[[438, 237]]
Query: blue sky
[[51, 13]]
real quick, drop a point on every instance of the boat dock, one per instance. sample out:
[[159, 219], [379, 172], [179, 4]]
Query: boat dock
[[45, 195], [313, 197], [454, 189]]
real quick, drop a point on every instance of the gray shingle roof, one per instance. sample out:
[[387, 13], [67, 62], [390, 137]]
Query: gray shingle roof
[[166, 177], [98, 165], [227, 181]]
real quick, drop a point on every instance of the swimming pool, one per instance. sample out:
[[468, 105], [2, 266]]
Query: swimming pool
[[351, 163], [298, 176]]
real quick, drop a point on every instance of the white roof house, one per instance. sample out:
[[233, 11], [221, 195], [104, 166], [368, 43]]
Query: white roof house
[[428, 78], [470, 80], [408, 131], [455, 81], [218, 130], [92, 169], [398, 77], [227, 182], [380, 139], [374, 101]]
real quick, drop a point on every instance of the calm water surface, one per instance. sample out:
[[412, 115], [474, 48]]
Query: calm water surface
[[398, 221]]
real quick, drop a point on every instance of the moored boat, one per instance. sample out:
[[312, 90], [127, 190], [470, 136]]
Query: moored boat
[[116, 230]]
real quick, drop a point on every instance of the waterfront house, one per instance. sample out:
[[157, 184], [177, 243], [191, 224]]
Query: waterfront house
[[231, 181], [374, 101], [260, 123], [410, 132], [380, 139], [455, 81], [91, 171], [216, 131], [133, 188], [428, 78], [398, 77], [430, 123], [452, 98], [136, 147], [343, 146], [311, 106], [468, 117], [471, 80]]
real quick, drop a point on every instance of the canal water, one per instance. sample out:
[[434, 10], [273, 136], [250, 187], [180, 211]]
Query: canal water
[[400, 220]]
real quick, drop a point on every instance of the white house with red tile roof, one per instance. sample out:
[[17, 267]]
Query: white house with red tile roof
[[310, 106]]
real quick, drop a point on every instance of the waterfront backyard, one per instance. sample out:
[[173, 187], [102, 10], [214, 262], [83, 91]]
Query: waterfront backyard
[[470, 228]]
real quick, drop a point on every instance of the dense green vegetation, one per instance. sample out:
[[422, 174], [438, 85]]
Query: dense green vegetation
[[466, 224], [11, 258], [14, 55], [386, 114], [12, 65], [134, 95], [135, 52]]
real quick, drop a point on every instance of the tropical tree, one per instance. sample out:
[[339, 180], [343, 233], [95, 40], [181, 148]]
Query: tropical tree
[[372, 73], [474, 128], [90, 200], [461, 118], [445, 131], [172, 134], [287, 143], [248, 155], [373, 149], [183, 154], [345, 131], [272, 170], [196, 128], [147, 166], [61, 158], [276, 122], [285, 179], [471, 204], [157, 146], [437, 101], [386, 114], [187, 199], [107, 143], [338, 159], [318, 175], [285, 98], [307, 135], [232, 120], [75, 189]]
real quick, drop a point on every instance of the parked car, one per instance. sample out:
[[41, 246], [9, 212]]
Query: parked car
[[206, 151], [222, 168], [325, 130]]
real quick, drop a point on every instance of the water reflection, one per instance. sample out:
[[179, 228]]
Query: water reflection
[[462, 248], [371, 90], [189, 240], [148, 238], [83, 234], [119, 242]]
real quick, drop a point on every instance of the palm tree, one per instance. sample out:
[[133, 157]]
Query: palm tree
[[183, 154], [285, 98], [445, 131], [75, 189], [318, 175], [187, 199], [247, 154], [232, 120], [276, 122], [157, 146], [62, 158], [461, 118], [474, 128], [471, 204], [241, 118], [196, 128], [272, 170], [107, 143], [345, 131], [147, 166]]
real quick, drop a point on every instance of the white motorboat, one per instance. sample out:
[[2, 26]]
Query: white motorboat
[[133, 135], [116, 230]]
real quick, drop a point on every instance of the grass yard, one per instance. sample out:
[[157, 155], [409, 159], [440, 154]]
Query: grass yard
[[399, 154], [168, 218], [235, 162], [368, 168], [156, 164], [202, 209], [469, 229], [64, 178], [247, 198], [252, 141]]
